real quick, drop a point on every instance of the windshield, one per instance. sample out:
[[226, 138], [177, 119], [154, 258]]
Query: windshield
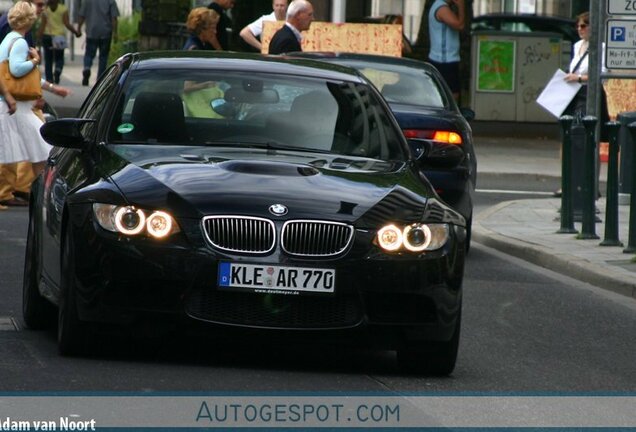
[[210, 108], [402, 84]]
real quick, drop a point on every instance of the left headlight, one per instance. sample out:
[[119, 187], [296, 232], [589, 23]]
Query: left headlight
[[129, 220], [413, 238]]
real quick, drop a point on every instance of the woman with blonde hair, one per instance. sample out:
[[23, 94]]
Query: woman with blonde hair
[[201, 24], [20, 138], [197, 96]]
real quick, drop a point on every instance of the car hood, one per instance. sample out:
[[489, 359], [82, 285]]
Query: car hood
[[197, 181]]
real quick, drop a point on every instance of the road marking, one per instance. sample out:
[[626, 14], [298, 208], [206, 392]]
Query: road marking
[[513, 192], [8, 324]]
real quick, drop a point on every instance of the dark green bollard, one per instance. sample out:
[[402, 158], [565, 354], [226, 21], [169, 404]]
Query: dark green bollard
[[631, 242], [588, 226], [611, 204], [567, 212]]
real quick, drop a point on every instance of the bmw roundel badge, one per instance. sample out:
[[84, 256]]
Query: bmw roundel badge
[[278, 209]]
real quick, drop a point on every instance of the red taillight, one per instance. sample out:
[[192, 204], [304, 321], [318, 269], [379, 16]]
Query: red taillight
[[418, 133], [446, 137]]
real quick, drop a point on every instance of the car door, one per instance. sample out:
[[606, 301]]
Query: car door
[[67, 170]]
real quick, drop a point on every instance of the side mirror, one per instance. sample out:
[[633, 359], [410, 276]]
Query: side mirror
[[436, 154], [65, 132]]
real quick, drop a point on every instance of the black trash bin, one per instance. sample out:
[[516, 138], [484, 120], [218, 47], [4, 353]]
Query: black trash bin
[[626, 145]]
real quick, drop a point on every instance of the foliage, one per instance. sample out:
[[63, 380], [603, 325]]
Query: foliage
[[127, 36]]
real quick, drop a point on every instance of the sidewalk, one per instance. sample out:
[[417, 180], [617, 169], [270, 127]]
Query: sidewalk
[[523, 228], [527, 228]]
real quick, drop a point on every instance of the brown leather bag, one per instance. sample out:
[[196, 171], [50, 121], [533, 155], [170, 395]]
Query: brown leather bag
[[26, 87]]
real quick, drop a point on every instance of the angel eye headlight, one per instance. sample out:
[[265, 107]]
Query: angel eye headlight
[[390, 238], [413, 238], [159, 224], [130, 220], [417, 237]]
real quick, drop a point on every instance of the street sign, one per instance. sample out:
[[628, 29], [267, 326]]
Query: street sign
[[621, 7], [620, 44]]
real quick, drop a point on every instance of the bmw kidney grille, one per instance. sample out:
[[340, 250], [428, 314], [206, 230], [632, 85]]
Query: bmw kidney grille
[[254, 235], [240, 233], [315, 238]]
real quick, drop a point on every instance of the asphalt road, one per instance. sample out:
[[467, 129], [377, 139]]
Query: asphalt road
[[525, 329]]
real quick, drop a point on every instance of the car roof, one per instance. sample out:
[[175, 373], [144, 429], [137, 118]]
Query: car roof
[[544, 23], [524, 17], [372, 58], [241, 62]]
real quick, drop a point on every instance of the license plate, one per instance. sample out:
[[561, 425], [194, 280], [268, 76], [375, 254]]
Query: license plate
[[276, 279]]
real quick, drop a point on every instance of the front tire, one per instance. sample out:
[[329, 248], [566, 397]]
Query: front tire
[[38, 313], [71, 332], [433, 358]]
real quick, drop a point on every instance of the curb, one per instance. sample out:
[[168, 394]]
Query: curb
[[574, 267]]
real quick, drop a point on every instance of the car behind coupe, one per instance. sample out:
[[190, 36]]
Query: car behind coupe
[[244, 192], [424, 107]]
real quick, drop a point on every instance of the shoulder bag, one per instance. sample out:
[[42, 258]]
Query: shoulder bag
[[27, 87]]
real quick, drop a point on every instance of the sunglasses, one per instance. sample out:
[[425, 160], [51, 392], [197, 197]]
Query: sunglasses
[[581, 26]]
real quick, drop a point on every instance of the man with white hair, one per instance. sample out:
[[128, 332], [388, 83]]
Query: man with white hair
[[300, 14], [252, 31]]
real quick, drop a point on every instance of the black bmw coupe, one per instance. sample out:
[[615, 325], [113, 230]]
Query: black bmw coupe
[[244, 192]]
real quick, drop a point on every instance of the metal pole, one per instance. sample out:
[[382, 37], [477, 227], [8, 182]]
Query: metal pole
[[338, 11], [567, 213], [631, 243], [611, 203], [588, 227]]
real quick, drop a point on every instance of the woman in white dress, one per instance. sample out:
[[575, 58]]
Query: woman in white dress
[[20, 138]]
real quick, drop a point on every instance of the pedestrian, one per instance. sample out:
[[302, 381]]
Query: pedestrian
[[224, 25], [444, 25], [578, 72], [6, 98], [5, 28], [52, 32], [100, 17], [300, 15], [201, 24], [20, 138], [252, 32]]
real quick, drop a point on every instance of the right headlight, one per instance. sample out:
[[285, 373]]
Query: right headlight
[[413, 238], [130, 221]]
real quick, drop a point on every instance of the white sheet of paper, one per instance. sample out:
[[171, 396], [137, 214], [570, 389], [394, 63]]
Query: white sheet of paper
[[557, 94]]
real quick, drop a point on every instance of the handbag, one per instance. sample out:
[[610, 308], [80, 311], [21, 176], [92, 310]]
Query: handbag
[[26, 87]]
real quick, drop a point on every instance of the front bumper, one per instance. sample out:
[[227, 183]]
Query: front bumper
[[391, 298]]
